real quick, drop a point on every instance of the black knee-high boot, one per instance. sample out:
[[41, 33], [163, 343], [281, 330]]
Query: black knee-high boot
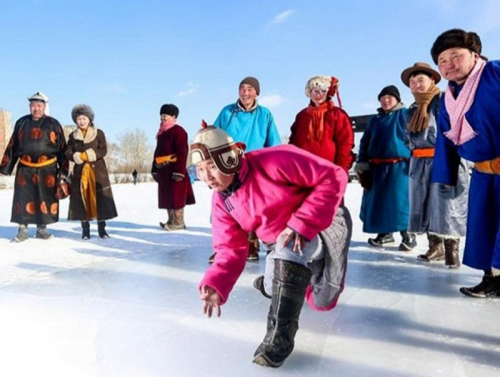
[[101, 229], [289, 287], [85, 230]]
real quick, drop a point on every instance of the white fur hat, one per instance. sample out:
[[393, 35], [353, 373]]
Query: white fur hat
[[328, 83], [213, 143]]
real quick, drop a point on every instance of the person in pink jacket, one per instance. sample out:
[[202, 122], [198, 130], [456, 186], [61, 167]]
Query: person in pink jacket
[[289, 198]]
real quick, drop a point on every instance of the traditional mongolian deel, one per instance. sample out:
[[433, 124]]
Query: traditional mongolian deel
[[482, 248], [95, 146], [255, 128], [325, 131], [435, 208], [385, 207], [38, 146], [172, 194]]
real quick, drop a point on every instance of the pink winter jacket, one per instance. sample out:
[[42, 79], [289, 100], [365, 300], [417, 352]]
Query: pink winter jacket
[[280, 186]]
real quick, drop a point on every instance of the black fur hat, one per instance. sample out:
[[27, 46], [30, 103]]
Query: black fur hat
[[170, 109], [454, 38], [82, 109]]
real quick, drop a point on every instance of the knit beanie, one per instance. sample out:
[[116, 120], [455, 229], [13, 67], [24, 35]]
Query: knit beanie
[[213, 143], [253, 82], [170, 109], [82, 109], [456, 38], [390, 90]]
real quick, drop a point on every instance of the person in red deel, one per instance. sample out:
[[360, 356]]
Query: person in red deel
[[169, 168], [323, 128]]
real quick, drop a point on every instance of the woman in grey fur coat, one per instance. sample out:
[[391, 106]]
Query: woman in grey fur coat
[[436, 209], [91, 197]]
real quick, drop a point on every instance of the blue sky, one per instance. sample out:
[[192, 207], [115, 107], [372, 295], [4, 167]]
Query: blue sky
[[127, 58]]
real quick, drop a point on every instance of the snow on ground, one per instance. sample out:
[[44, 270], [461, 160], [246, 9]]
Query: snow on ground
[[128, 306]]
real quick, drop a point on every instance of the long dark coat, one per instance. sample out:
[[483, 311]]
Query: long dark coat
[[35, 141], [171, 194], [94, 144]]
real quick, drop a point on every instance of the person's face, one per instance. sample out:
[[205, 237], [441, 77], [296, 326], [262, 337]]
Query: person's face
[[318, 96], [247, 94], [455, 64], [83, 122], [208, 173], [387, 102], [420, 83], [37, 109], [167, 118]]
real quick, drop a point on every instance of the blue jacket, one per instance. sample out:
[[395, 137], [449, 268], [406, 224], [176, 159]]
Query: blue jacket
[[255, 128]]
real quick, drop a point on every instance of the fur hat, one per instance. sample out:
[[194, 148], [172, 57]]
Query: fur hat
[[170, 109], [390, 90], [328, 83], [253, 82], [39, 96], [418, 68], [82, 109], [213, 143], [456, 38]]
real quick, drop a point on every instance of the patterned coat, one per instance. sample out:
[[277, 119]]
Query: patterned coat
[[94, 145], [35, 142], [172, 194]]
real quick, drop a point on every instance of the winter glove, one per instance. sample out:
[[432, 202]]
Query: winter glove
[[365, 179], [84, 157], [155, 176], [364, 173], [177, 177]]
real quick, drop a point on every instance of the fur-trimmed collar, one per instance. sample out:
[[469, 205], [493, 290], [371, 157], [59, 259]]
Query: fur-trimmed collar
[[89, 136]]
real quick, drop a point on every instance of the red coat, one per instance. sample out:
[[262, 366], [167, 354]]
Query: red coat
[[325, 131], [171, 194]]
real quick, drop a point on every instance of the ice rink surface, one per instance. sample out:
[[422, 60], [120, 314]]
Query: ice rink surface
[[128, 306]]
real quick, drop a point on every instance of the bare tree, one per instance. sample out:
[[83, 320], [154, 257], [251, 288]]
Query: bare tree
[[134, 151]]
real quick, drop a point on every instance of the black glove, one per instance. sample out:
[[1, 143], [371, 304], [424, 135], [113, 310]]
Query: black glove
[[365, 179]]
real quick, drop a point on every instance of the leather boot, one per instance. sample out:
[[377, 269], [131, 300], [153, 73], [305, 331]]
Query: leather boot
[[253, 247], [22, 233], [177, 222], [289, 287], [436, 249], [85, 230], [42, 232], [170, 213], [452, 257], [101, 229], [489, 286], [408, 241]]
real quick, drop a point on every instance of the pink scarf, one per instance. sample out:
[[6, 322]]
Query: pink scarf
[[165, 126], [461, 131]]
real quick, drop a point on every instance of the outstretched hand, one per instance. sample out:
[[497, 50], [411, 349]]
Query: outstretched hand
[[288, 235], [211, 301]]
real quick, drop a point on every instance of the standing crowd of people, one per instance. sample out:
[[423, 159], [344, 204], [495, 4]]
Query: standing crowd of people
[[413, 164]]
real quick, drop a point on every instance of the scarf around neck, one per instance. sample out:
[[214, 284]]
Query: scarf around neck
[[165, 126], [420, 119], [461, 131], [317, 122]]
